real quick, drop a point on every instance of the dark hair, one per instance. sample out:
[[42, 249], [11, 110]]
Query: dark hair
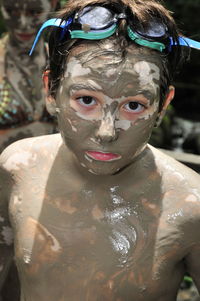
[[143, 11]]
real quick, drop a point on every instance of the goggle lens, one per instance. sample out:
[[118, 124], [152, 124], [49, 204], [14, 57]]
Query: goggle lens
[[155, 30], [97, 17]]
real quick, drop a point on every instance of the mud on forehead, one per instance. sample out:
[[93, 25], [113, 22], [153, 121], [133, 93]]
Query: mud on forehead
[[107, 57]]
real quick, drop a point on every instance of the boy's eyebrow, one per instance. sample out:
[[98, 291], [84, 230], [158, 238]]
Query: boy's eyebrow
[[148, 94], [89, 86]]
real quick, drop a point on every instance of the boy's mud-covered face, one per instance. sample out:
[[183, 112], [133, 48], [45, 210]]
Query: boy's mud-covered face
[[107, 106], [23, 18]]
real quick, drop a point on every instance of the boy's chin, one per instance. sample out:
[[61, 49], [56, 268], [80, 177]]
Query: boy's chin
[[102, 172], [103, 169]]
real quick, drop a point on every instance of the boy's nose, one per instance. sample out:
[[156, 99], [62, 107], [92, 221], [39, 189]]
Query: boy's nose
[[106, 131]]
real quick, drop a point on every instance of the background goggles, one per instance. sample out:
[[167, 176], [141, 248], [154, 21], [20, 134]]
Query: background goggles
[[97, 22]]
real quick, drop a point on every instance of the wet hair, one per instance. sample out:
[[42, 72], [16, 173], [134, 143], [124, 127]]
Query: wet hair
[[144, 11]]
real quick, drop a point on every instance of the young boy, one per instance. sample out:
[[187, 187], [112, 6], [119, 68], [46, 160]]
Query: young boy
[[96, 213]]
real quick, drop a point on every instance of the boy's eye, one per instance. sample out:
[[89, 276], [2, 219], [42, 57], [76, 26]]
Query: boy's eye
[[87, 101], [134, 106]]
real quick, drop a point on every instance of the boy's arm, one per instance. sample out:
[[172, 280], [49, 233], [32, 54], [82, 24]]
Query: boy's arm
[[192, 234], [36, 128], [193, 264], [6, 235]]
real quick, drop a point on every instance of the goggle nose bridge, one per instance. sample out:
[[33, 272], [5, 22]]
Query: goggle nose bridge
[[122, 16]]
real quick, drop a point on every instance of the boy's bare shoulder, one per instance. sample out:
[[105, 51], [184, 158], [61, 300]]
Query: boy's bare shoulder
[[172, 170], [181, 187], [25, 152]]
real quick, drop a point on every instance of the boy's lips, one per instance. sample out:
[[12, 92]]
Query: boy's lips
[[25, 36], [101, 156]]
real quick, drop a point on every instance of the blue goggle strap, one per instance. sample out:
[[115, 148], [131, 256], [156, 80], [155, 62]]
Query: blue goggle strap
[[183, 41], [52, 22]]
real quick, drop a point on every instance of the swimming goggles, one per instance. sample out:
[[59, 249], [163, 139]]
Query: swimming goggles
[[98, 22]]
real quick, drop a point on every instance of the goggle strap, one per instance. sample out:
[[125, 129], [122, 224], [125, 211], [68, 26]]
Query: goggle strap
[[183, 41], [52, 22], [154, 45], [93, 35], [96, 35]]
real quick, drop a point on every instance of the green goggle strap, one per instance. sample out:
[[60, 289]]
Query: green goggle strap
[[134, 37], [95, 35]]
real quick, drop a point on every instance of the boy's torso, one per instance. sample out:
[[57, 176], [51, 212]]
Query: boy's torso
[[80, 241]]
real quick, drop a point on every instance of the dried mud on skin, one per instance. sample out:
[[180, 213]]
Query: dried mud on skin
[[185, 294], [189, 294], [11, 290]]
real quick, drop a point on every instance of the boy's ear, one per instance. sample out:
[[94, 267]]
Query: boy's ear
[[50, 100], [168, 99]]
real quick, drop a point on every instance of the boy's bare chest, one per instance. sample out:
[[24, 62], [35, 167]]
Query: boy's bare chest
[[102, 241]]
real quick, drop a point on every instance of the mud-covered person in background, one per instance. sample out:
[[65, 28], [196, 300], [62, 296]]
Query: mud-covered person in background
[[22, 105], [96, 212], [22, 108]]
